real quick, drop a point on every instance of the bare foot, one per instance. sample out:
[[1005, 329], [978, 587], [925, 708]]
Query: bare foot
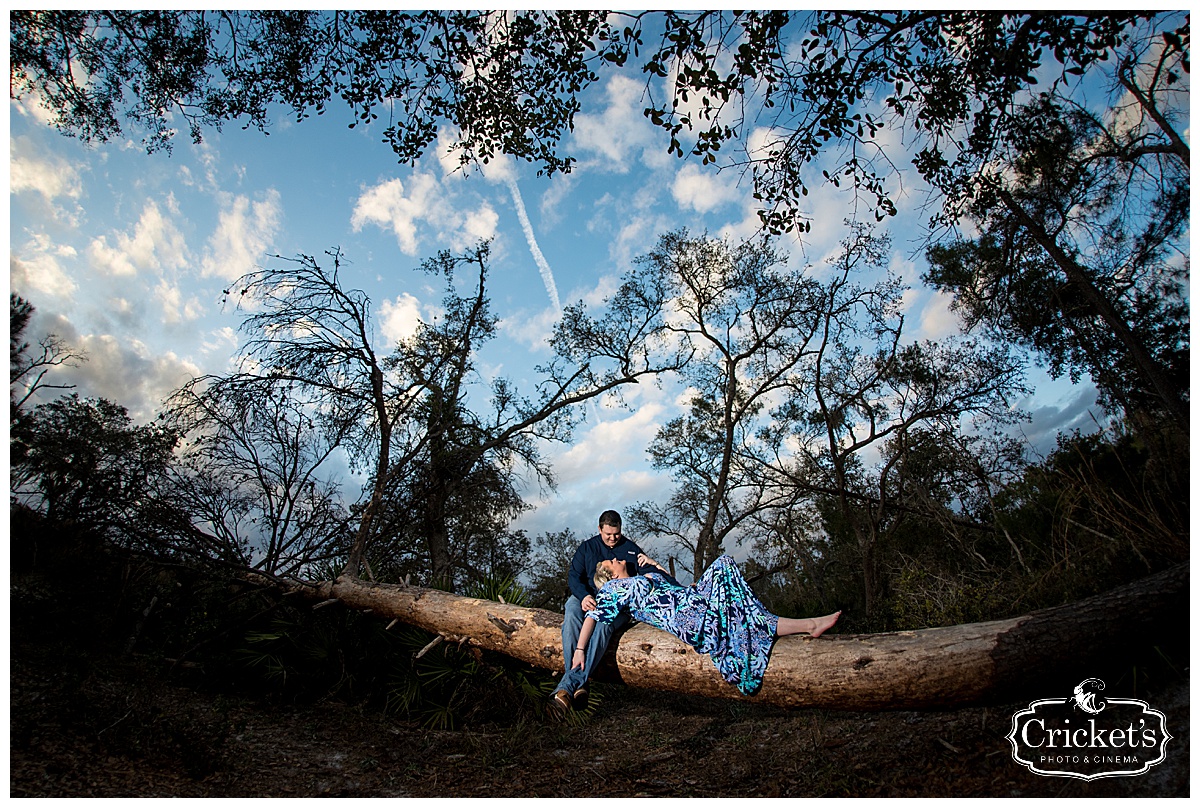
[[823, 624]]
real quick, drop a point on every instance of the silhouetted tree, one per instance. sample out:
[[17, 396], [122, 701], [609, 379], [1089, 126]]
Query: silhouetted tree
[[27, 369], [86, 461], [406, 417], [867, 400], [508, 82], [815, 82], [749, 324], [1082, 257], [548, 567], [252, 479]]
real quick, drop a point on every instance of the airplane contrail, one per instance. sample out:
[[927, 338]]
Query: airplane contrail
[[542, 263], [538, 258]]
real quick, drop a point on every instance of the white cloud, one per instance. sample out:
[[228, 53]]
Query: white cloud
[[924, 307], [50, 176], [605, 287], [500, 168], [39, 273], [1127, 114], [122, 308], [551, 206], [391, 206], [244, 232], [31, 106], [620, 134], [606, 467], [531, 330], [480, 224], [904, 269], [703, 190], [619, 443], [405, 207], [109, 260], [123, 370], [937, 320], [223, 339], [763, 140], [170, 299], [579, 506], [636, 235], [1076, 408], [449, 157], [175, 308], [827, 206], [155, 244], [399, 318], [208, 159]]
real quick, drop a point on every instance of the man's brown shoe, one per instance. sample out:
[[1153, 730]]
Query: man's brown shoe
[[560, 702], [581, 698]]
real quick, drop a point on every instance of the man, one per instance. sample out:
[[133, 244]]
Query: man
[[609, 543]]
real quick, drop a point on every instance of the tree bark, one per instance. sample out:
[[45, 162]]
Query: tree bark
[[925, 669], [382, 466]]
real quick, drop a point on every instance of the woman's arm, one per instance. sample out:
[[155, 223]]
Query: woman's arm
[[579, 656], [609, 601], [644, 560]]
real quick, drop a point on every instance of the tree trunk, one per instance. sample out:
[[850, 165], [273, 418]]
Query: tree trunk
[[1152, 371], [383, 464], [929, 668], [866, 547]]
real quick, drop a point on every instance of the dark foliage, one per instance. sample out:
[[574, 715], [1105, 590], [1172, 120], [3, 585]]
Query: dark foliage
[[1102, 510], [510, 83], [219, 634], [84, 460], [548, 569], [1080, 258], [88, 719]]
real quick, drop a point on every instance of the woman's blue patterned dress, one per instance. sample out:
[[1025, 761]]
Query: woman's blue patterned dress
[[718, 615]]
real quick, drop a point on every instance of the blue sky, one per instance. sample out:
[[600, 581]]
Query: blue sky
[[125, 256]]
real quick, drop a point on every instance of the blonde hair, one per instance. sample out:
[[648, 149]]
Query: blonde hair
[[602, 576]]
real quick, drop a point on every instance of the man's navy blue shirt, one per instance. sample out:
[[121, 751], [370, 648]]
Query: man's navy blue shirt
[[591, 553]]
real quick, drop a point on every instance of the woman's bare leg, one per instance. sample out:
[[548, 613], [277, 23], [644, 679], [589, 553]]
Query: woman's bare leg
[[813, 626]]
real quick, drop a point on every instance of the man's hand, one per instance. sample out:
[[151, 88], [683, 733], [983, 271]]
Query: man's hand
[[588, 604]]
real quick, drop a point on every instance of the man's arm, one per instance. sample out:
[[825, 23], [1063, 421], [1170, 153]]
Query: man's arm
[[578, 581], [647, 564]]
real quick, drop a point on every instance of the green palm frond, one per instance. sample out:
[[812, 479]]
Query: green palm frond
[[502, 589]]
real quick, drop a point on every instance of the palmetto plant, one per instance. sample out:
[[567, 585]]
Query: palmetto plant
[[502, 589], [444, 683], [340, 654], [262, 655]]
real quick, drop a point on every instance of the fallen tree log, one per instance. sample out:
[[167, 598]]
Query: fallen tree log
[[928, 668]]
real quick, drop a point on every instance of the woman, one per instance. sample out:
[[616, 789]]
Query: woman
[[718, 615]]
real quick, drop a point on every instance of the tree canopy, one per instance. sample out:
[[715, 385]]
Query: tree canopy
[[766, 91]]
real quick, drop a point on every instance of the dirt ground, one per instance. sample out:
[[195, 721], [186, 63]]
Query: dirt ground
[[82, 730]]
